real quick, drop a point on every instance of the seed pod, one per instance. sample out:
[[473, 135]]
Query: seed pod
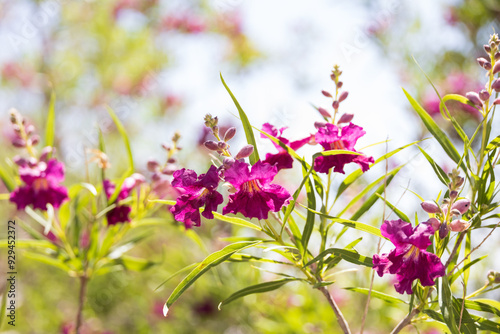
[[345, 118], [434, 222], [325, 93], [343, 96], [324, 113], [430, 207], [474, 98], [246, 151], [459, 225], [229, 133], [462, 205], [211, 145]]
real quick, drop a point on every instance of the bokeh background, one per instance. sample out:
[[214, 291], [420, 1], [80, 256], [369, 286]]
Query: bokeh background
[[157, 64]]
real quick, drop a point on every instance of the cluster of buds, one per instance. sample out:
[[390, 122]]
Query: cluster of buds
[[221, 145], [169, 167], [338, 97], [492, 65], [24, 134], [493, 277], [447, 217]]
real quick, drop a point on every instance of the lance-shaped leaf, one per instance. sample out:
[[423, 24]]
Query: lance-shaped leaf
[[348, 255], [435, 130], [209, 262], [379, 295], [258, 288], [445, 299], [254, 157], [484, 305]]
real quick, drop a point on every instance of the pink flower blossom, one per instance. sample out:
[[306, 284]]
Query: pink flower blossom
[[42, 186], [328, 137], [409, 260], [199, 191], [255, 195], [281, 159], [120, 213]]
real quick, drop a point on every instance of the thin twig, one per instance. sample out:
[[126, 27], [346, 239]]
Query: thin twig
[[406, 321], [81, 301], [340, 317], [455, 249], [474, 249]]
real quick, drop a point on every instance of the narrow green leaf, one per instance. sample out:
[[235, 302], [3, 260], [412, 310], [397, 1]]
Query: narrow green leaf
[[484, 305], [463, 317], [47, 260], [50, 125], [134, 263], [178, 272], [257, 288], [368, 203], [465, 267], [236, 221], [124, 135], [3, 314], [379, 295], [485, 324], [311, 203], [435, 130], [348, 255], [350, 223], [7, 179], [394, 209], [358, 172], [495, 143], [446, 304], [367, 188], [246, 125], [442, 176], [209, 262]]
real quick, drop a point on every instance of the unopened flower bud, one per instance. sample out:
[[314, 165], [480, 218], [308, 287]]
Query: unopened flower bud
[[455, 212], [345, 118], [35, 139], [228, 162], [325, 93], [459, 225], [487, 48], [245, 152], [474, 98], [18, 142], [222, 145], [343, 96], [332, 76], [459, 181], [484, 95], [434, 222], [481, 61], [210, 121], [497, 101], [443, 230], [20, 161], [29, 129], [340, 84], [497, 55], [211, 145], [169, 170], [229, 133], [430, 207], [335, 104], [44, 154], [496, 68], [171, 160], [453, 194], [166, 147], [324, 113], [487, 66], [462, 205], [319, 125], [496, 85]]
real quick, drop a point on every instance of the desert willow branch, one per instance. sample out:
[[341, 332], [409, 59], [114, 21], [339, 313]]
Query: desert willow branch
[[340, 317]]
